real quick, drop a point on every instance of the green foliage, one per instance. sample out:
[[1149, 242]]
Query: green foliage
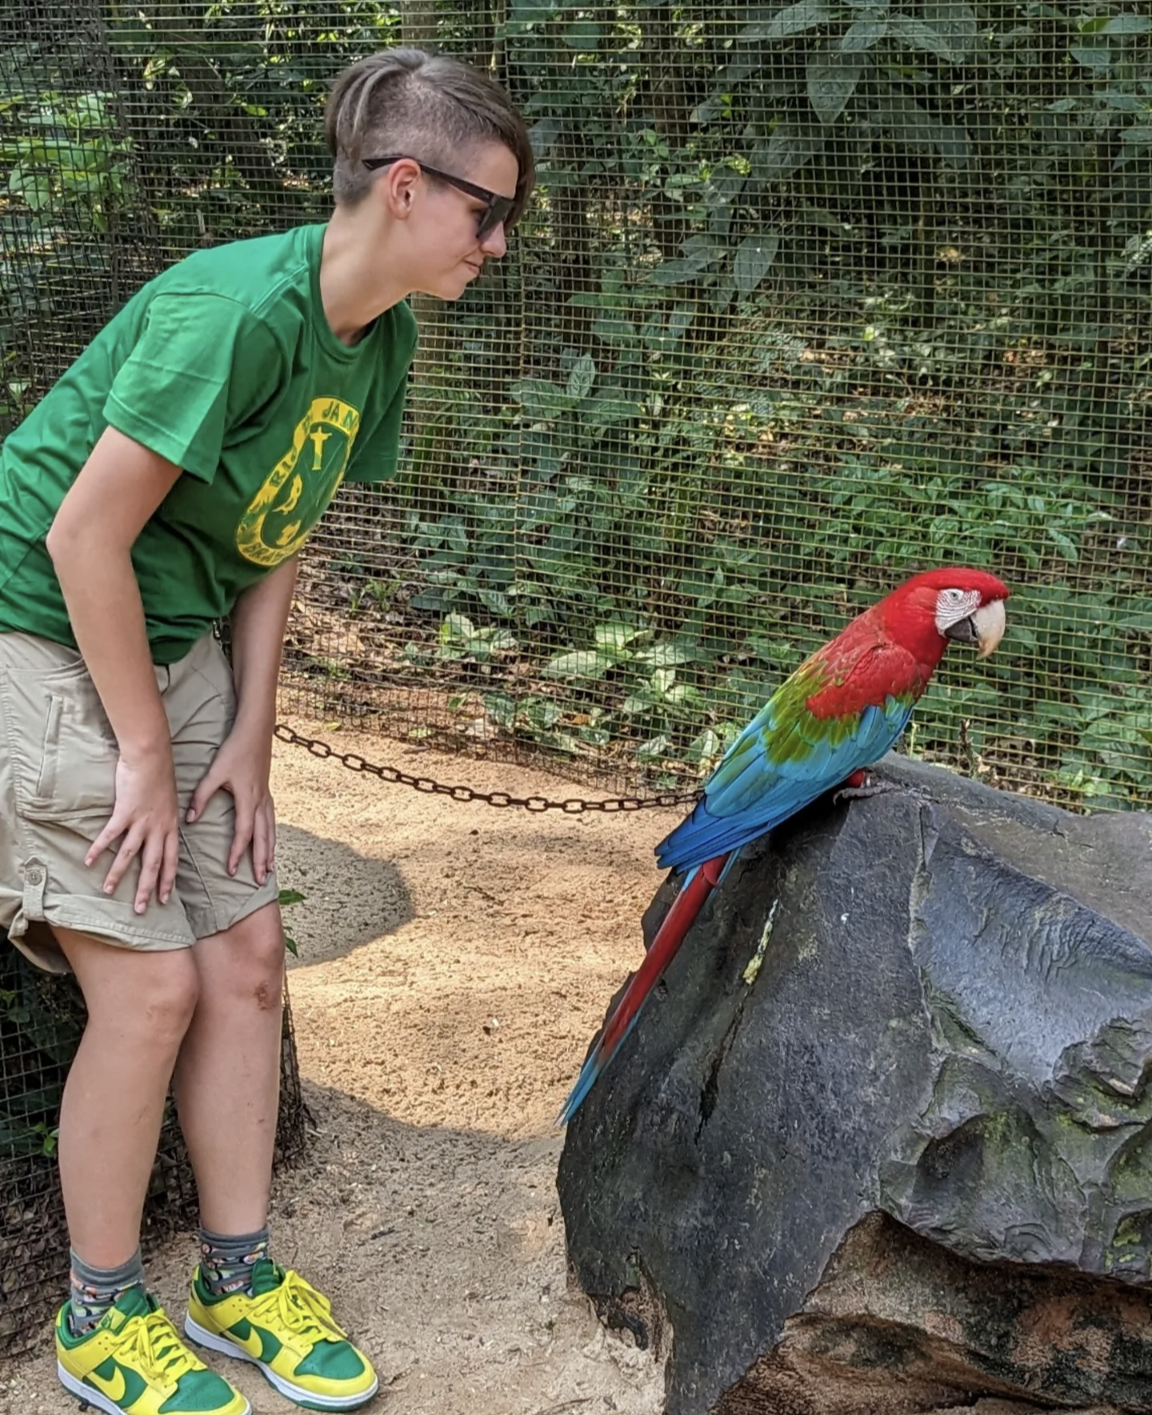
[[951, 200], [69, 158], [287, 897]]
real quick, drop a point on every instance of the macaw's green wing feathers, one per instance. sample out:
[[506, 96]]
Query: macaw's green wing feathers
[[784, 725]]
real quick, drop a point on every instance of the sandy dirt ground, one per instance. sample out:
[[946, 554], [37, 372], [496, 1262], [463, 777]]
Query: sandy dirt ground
[[454, 961]]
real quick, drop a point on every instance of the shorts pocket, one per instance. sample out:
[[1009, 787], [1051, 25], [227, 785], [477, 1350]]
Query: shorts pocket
[[63, 753]]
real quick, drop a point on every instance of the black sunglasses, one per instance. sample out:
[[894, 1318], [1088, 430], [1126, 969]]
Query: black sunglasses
[[497, 209]]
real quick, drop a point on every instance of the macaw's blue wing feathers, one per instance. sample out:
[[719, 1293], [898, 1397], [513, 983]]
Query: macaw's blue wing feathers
[[768, 775]]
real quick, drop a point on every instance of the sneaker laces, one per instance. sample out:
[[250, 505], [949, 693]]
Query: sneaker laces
[[152, 1345], [301, 1309]]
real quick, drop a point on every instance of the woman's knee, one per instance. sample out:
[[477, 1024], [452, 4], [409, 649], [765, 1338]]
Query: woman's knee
[[245, 962], [169, 1001], [152, 994]]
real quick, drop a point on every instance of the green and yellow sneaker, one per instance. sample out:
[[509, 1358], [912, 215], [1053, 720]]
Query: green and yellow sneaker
[[284, 1326], [134, 1363]]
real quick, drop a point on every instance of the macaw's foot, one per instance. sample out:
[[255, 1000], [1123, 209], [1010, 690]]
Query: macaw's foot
[[859, 786]]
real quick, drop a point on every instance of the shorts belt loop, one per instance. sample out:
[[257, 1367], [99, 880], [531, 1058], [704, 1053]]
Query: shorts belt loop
[[35, 878]]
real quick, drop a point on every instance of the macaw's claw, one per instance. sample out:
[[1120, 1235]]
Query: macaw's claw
[[860, 786]]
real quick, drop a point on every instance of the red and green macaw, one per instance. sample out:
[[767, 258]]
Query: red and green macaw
[[841, 710]]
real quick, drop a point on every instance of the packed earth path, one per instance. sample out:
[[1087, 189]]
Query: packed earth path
[[454, 961]]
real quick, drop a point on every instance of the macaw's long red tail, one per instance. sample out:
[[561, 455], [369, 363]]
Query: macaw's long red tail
[[698, 885]]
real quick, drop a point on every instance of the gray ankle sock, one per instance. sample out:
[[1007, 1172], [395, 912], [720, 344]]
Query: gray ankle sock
[[96, 1290], [226, 1262]]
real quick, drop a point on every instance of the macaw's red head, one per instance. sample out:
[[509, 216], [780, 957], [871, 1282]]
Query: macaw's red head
[[958, 605]]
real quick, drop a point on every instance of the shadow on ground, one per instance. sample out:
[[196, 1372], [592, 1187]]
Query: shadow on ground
[[349, 899]]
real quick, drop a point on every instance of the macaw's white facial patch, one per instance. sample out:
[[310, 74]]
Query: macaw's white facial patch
[[954, 605]]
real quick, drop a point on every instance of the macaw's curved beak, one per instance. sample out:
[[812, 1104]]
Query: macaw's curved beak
[[984, 628]]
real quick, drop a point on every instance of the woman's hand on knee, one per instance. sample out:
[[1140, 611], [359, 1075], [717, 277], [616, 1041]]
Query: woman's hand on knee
[[145, 819]]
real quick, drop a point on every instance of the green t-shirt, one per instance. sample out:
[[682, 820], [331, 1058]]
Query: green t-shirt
[[226, 366]]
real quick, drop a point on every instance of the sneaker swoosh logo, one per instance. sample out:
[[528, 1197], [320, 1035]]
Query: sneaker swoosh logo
[[115, 1389], [123, 1388], [257, 1342]]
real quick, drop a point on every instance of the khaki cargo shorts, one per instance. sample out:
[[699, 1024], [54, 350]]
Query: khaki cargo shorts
[[57, 773]]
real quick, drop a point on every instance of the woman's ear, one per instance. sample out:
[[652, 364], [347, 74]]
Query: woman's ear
[[397, 186]]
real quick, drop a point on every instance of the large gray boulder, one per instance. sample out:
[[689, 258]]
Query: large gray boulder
[[881, 1142]]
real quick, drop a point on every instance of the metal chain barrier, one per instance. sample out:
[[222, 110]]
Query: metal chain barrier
[[355, 762]]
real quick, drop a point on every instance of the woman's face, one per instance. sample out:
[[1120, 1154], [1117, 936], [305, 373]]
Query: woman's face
[[450, 253]]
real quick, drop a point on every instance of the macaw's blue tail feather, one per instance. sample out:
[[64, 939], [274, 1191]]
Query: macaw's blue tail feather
[[598, 1059], [698, 885]]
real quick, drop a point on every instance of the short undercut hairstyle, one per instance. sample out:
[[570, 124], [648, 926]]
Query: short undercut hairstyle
[[426, 106]]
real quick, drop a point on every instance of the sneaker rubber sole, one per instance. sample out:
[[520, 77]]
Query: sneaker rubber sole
[[299, 1395]]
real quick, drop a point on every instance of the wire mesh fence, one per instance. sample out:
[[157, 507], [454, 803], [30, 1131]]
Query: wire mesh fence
[[812, 295]]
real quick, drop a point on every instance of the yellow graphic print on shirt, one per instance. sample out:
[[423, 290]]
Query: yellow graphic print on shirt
[[301, 484]]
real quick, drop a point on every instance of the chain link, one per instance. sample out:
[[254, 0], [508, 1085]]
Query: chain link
[[355, 762]]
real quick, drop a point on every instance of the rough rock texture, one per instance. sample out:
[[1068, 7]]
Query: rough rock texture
[[906, 1165]]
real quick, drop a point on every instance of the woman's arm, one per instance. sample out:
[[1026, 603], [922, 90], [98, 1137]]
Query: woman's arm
[[90, 542], [258, 622], [243, 764]]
